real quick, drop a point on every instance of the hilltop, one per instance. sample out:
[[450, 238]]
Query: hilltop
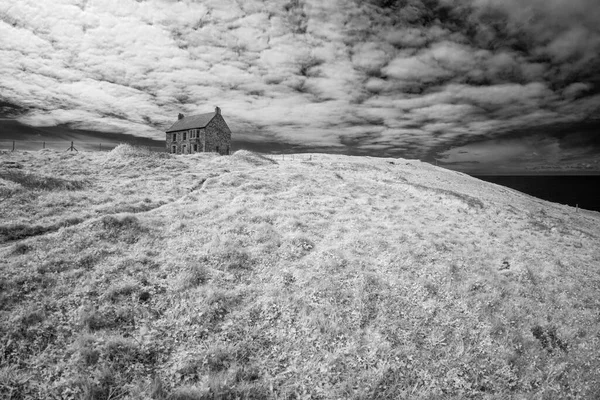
[[142, 275]]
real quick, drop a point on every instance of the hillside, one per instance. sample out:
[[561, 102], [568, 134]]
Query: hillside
[[141, 275]]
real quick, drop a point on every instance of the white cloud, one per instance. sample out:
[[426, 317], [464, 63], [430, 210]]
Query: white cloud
[[414, 68], [305, 71], [370, 55]]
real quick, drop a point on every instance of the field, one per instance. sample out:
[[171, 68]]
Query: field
[[138, 275]]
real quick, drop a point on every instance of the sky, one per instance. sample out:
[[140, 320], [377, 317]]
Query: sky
[[475, 85]]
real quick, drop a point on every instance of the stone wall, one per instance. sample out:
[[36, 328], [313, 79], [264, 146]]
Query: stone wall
[[176, 142], [218, 135]]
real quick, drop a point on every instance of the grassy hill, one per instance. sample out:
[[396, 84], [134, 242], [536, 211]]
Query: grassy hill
[[137, 275]]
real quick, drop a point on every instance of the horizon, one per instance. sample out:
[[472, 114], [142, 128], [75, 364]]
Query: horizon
[[490, 86], [90, 139]]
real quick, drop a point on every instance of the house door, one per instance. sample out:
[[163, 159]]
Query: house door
[[183, 149], [174, 149]]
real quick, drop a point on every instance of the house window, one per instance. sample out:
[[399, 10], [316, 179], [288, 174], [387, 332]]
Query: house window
[[184, 135], [195, 147], [174, 137], [174, 149]]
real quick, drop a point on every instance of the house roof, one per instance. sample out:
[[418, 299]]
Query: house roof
[[192, 122]]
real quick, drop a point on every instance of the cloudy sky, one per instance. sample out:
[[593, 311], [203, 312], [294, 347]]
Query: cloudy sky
[[479, 85]]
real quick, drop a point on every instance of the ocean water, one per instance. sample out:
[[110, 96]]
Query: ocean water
[[581, 190]]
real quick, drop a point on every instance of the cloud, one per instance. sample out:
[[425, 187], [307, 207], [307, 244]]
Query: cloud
[[404, 78]]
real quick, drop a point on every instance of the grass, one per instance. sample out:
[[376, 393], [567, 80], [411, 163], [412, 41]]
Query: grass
[[202, 277], [14, 232], [31, 181]]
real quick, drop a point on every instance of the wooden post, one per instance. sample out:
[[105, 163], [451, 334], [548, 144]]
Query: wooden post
[[576, 207], [72, 148], [100, 146], [13, 146], [43, 145]]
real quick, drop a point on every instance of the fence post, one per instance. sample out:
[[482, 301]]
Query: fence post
[[13, 146], [72, 148], [43, 145], [100, 146]]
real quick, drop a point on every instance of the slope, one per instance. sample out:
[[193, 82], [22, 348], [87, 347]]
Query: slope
[[140, 275]]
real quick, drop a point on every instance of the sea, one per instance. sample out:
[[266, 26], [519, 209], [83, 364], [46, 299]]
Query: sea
[[575, 190]]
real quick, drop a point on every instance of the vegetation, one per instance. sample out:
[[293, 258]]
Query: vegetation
[[320, 277]]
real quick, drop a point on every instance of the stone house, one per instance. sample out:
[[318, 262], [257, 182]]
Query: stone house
[[199, 133]]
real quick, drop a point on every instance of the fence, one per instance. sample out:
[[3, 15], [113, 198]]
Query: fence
[[26, 145]]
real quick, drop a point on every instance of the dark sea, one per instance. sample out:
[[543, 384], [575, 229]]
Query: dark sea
[[582, 190]]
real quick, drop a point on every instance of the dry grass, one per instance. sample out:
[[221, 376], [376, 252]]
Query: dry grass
[[201, 277]]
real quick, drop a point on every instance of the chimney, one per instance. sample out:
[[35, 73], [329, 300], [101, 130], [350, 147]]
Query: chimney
[[217, 110], [180, 116]]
